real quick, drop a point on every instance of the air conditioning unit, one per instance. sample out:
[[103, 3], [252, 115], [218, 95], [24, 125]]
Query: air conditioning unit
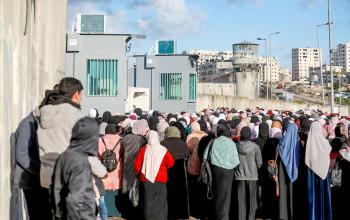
[[89, 23]]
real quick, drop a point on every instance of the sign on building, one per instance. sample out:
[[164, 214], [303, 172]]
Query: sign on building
[[166, 47]]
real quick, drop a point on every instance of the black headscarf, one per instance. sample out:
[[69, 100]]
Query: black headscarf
[[153, 121], [235, 123], [246, 133], [182, 130], [85, 137], [263, 135], [285, 123], [138, 112], [204, 126], [106, 115], [111, 129], [254, 119]]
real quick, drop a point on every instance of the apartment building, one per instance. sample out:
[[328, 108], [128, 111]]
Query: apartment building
[[302, 60], [341, 56], [265, 69]]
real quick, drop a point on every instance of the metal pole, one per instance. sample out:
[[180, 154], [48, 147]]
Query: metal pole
[[330, 54], [270, 59], [339, 90], [320, 60], [265, 71]]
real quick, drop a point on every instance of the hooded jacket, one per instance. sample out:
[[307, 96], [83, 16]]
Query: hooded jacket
[[250, 158], [55, 124], [72, 188]]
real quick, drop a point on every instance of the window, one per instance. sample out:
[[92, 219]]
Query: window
[[171, 86], [102, 77], [193, 87]]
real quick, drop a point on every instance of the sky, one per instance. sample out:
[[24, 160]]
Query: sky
[[217, 24]]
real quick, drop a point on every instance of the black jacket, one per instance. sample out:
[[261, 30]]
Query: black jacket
[[73, 193], [25, 165]]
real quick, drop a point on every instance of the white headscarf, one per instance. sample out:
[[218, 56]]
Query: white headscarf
[[269, 123], [153, 158], [276, 133], [92, 113], [317, 151]]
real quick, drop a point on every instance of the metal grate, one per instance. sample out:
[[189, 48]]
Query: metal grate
[[171, 86], [102, 77]]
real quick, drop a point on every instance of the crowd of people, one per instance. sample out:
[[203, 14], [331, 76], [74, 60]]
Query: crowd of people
[[218, 164]]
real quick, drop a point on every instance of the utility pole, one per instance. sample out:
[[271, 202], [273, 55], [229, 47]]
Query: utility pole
[[330, 54], [320, 60], [265, 69], [270, 58]]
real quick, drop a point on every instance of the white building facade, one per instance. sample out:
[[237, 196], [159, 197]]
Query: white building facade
[[302, 60], [265, 69], [341, 56]]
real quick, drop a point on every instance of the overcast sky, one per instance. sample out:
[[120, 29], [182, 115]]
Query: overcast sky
[[216, 24]]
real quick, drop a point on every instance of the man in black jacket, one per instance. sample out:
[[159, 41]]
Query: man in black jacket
[[73, 193]]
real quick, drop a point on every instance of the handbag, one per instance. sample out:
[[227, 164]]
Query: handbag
[[134, 193], [272, 169], [205, 175], [336, 174]]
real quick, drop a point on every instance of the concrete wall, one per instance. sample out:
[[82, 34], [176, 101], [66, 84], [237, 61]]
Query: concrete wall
[[247, 84], [150, 78], [241, 103], [214, 95], [228, 89], [99, 46], [32, 59]]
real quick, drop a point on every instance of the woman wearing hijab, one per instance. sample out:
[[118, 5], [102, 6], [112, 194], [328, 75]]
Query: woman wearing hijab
[[193, 166], [105, 118], [113, 182], [336, 162], [161, 128], [288, 165], [269, 186], [263, 135], [246, 175], [223, 159], [153, 121], [344, 164], [317, 160], [152, 164], [177, 186], [300, 187], [131, 145]]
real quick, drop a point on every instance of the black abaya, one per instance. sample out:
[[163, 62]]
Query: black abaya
[[153, 200], [222, 187]]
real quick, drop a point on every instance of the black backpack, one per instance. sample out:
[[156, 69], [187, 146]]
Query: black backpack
[[205, 175], [109, 157]]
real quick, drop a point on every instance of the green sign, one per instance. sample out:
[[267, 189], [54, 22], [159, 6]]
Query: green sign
[[166, 47]]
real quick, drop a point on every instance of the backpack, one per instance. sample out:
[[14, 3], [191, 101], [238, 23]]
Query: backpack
[[109, 157], [205, 175]]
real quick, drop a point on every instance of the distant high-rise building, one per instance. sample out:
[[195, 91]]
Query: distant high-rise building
[[341, 56], [302, 60]]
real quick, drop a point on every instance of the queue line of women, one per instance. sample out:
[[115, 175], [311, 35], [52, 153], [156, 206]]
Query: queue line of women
[[268, 166]]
